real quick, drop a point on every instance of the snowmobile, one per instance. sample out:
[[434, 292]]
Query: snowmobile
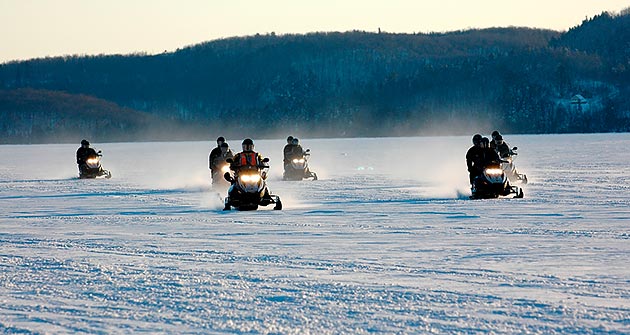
[[510, 169], [297, 169], [492, 183], [249, 190], [93, 169]]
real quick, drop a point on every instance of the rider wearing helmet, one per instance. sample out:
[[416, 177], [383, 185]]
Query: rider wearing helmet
[[83, 153], [288, 149], [296, 150], [215, 153], [494, 136], [500, 146], [248, 158], [475, 158]]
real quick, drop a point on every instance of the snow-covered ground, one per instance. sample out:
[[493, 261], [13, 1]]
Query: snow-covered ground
[[385, 242]]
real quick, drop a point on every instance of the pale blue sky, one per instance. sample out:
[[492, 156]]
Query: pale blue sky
[[39, 28]]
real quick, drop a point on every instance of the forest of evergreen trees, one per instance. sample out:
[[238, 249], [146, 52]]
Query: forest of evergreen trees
[[519, 80]]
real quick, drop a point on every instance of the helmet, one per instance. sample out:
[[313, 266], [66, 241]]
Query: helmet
[[495, 134], [220, 139], [248, 144], [224, 145], [295, 141], [85, 142], [476, 139], [289, 139]]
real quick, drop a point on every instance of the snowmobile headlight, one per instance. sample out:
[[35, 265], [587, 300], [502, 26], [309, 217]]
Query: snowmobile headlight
[[225, 168], [92, 160], [494, 172], [254, 178], [298, 160]]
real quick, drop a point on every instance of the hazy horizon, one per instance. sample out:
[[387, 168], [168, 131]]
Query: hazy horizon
[[34, 29]]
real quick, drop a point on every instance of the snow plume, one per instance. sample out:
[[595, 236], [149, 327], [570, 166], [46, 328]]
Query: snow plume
[[212, 199], [173, 165], [435, 165]]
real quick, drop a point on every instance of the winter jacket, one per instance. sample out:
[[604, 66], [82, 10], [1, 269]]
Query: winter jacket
[[84, 153], [503, 149], [489, 156], [216, 152], [475, 159], [247, 160]]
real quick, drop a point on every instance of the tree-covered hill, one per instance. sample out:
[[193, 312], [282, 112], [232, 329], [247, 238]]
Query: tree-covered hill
[[35, 116], [358, 83]]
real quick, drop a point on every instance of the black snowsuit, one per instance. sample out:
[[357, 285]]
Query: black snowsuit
[[82, 155], [503, 149], [288, 149], [475, 162], [489, 156], [216, 152]]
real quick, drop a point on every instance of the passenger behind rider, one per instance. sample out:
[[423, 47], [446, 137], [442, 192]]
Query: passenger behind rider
[[83, 153], [494, 136], [475, 158], [501, 147]]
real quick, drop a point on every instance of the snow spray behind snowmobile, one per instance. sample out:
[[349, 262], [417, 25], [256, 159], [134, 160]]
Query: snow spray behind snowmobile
[[492, 183], [249, 190], [297, 169], [93, 169]]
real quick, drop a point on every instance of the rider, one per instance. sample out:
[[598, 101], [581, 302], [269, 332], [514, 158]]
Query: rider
[[248, 158], [216, 152], [489, 154], [296, 150], [83, 153], [475, 158], [502, 148], [287, 151], [494, 136], [225, 153]]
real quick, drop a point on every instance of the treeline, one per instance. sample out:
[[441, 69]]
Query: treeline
[[40, 116], [355, 83]]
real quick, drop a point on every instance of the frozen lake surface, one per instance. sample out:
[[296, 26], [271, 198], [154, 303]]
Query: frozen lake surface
[[385, 242]]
